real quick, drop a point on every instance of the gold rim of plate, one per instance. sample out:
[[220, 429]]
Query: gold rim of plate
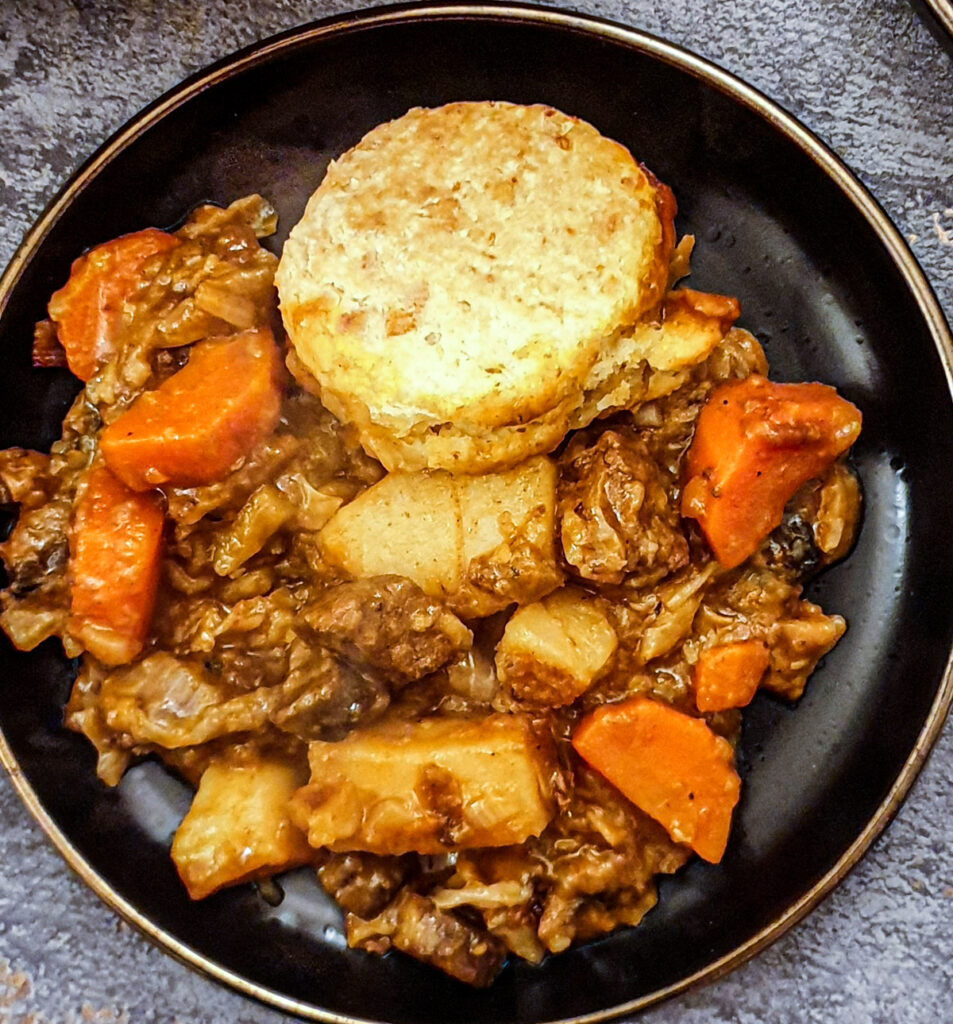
[[711, 75]]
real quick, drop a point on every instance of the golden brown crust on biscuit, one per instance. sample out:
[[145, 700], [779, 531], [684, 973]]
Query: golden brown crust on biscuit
[[460, 273], [646, 361]]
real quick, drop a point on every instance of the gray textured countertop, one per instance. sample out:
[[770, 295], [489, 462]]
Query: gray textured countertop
[[870, 80]]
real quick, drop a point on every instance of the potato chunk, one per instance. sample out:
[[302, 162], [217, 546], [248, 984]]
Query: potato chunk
[[552, 651], [238, 827], [692, 323], [428, 786], [479, 542], [406, 525]]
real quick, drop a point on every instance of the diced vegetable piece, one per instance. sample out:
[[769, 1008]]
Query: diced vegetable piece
[[198, 423], [237, 828], [265, 512], [87, 310], [313, 506], [670, 765], [431, 785], [172, 702], [28, 622], [492, 505], [797, 641], [227, 304], [553, 650], [677, 602], [836, 523], [755, 444], [115, 544], [691, 324], [406, 525], [480, 542], [727, 676]]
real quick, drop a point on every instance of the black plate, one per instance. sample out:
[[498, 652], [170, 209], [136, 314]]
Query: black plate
[[826, 283]]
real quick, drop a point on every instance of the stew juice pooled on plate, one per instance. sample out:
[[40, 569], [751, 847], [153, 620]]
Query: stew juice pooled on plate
[[487, 708]]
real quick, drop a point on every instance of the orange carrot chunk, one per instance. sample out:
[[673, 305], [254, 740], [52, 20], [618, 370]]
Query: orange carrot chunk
[[755, 444], [115, 546], [670, 765], [727, 676], [87, 310], [198, 423]]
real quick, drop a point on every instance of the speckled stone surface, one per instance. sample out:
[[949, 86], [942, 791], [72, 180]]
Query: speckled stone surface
[[865, 76]]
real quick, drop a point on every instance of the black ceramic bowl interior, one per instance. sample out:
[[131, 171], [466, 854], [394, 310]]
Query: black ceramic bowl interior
[[825, 283]]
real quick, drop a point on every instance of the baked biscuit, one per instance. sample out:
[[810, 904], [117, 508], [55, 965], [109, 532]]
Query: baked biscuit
[[465, 282]]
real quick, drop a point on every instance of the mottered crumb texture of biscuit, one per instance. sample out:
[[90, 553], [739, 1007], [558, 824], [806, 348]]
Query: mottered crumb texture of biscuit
[[460, 273]]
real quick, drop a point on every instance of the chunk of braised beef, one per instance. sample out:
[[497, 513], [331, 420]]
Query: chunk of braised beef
[[25, 478], [416, 926], [37, 547], [36, 493], [324, 697], [615, 515], [364, 883], [389, 624]]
